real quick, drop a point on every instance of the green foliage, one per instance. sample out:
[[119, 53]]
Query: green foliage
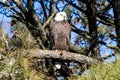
[[12, 64], [25, 36], [18, 68], [105, 29], [68, 10], [107, 71]]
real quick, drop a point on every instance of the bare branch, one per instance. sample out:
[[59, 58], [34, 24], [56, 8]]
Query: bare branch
[[44, 9], [49, 19], [4, 4], [30, 4], [76, 49], [20, 6], [77, 7], [80, 32], [66, 56]]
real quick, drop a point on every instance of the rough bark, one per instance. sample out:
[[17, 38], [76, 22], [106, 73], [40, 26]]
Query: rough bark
[[91, 15], [66, 56], [116, 10]]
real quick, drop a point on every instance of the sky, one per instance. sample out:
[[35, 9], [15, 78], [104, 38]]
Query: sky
[[4, 22]]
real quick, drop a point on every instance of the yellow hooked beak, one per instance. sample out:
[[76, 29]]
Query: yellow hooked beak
[[64, 16]]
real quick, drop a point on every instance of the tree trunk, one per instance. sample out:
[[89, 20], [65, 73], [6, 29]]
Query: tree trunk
[[91, 14], [116, 10], [32, 22]]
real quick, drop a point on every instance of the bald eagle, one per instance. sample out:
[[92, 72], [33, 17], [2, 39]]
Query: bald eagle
[[60, 32], [60, 39]]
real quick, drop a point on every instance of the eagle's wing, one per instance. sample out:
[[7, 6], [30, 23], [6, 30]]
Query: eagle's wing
[[52, 34]]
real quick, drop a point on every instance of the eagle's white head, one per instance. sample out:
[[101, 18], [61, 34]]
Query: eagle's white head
[[60, 16]]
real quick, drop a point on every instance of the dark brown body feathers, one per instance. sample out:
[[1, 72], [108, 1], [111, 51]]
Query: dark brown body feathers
[[60, 35]]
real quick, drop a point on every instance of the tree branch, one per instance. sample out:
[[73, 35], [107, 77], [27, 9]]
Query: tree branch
[[76, 49], [44, 9], [80, 32], [77, 7], [49, 19], [5, 5], [106, 20], [66, 56], [30, 4], [20, 6]]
